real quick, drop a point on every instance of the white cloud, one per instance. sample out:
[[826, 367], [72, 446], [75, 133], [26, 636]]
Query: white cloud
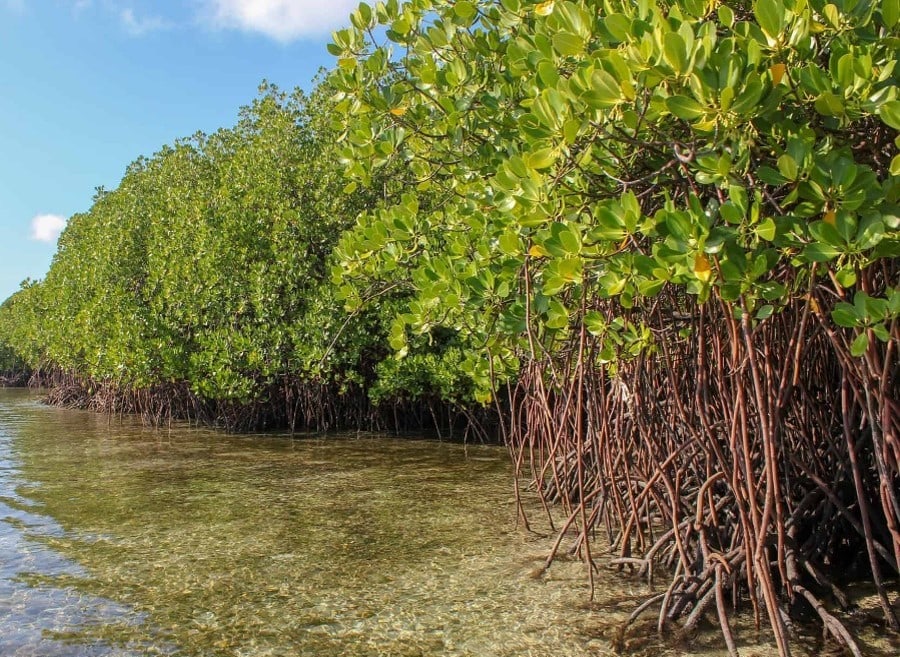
[[47, 227], [283, 20], [138, 26]]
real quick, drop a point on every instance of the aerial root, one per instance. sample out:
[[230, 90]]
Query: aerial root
[[644, 606], [723, 614], [832, 625]]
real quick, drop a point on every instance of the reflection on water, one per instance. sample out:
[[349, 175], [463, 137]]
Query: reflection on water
[[119, 540], [37, 611], [116, 540]]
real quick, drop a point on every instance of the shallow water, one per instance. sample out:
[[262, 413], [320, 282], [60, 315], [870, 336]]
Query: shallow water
[[118, 540]]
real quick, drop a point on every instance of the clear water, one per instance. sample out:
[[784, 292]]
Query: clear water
[[118, 540]]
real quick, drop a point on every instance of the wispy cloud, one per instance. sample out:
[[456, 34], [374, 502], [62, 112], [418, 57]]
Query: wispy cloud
[[131, 15], [139, 25], [282, 20], [47, 227]]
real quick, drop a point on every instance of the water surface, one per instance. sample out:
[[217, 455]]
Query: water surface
[[116, 539], [120, 540]]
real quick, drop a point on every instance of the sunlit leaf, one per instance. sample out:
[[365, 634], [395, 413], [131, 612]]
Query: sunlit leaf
[[544, 8], [702, 268]]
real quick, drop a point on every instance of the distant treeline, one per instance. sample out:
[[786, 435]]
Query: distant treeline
[[201, 287], [13, 371]]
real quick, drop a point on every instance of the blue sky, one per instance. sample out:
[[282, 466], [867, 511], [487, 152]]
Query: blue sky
[[86, 86]]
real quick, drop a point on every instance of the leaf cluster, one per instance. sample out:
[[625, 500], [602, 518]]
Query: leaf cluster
[[584, 153], [209, 266]]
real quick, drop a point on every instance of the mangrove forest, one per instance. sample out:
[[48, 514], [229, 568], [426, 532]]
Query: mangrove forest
[[652, 246]]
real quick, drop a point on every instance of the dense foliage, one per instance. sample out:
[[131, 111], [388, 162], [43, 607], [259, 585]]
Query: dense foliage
[[12, 368], [625, 146], [203, 279], [678, 223], [15, 339]]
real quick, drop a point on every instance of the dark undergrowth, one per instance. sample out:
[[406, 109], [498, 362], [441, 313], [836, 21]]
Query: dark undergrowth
[[288, 405]]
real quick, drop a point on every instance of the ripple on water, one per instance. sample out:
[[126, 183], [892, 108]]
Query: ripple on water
[[118, 540]]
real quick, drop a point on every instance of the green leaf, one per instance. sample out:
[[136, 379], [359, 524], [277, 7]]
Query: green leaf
[[557, 315], [675, 52], [829, 104], [605, 91], [568, 237], [730, 213], [568, 44], [833, 15], [684, 107], [541, 158], [881, 332], [770, 176], [569, 269], [876, 308], [619, 26], [860, 344], [871, 232], [890, 12], [844, 315], [509, 243], [726, 15], [890, 113], [826, 233], [594, 323], [552, 284], [401, 26], [464, 9], [860, 304], [771, 17], [611, 284], [679, 225], [651, 287], [772, 290], [818, 252], [765, 312], [846, 277], [844, 72], [766, 229], [610, 225], [788, 167], [747, 102], [548, 75], [571, 128]]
